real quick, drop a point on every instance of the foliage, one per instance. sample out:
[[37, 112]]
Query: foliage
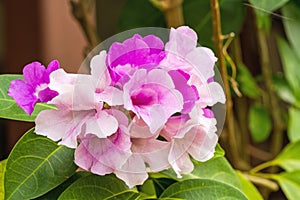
[[38, 168]]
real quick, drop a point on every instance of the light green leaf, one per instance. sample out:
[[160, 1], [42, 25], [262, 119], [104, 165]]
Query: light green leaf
[[35, 166], [248, 188], [283, 90], [99, 187], [290, 184], [293, 124], [291, 23], [247, 83], [291, 64], [289, 158], [217, 169], [260, 123], [8, 107], [2, 171], [202, 189]]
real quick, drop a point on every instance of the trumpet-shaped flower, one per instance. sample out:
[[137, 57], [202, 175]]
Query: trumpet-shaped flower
[[153, 97], [136, 52], [34, 88]]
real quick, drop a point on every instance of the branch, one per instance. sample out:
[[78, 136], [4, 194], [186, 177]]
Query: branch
[[80, 12], [172, 10], [218, 40]]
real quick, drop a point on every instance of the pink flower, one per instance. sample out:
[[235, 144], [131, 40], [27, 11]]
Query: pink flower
[[136, 52], [104, 155], [153, 97], [183, 54], [34, 88], [80, 105], [193, 135]]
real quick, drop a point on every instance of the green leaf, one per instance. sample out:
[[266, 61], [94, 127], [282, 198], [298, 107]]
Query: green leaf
[[35, 166], [217, 169], [197, 15], [138, 13], [260, 123], [8, 107], [219, 151], [263, 8], [291, 23], [290, 184], [293, 124], [148, 189], [267, 6], [248, 188], [99, 187], [290, 63], [202, 189], [289, 158], [283, 90], [2, 171], [56, 192], [247, 83], [161, 184]]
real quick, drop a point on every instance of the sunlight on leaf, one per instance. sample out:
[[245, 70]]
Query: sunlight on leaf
[[290, 184], [2, 171], [289, 158], [35, 166], [248, 188], [293, 124]]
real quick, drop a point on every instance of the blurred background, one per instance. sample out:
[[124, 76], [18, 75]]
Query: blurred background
[[261, 52]]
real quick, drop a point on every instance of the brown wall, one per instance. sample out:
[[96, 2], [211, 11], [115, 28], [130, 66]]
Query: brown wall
[[36, 30]]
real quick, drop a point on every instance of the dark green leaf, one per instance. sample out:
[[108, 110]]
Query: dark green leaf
[[290, 184], [289, 158], [138, 13], [8, 107], [267, 6], [35, 166], [293, 124], [291, 23], [263, 8], [260, 123], [247, 83], [56, 192], [161, 184], [290, 63], [248, 188], [148, 188], [98, 187], [2, 171], [216, 169], [202, 189], [196, 13]]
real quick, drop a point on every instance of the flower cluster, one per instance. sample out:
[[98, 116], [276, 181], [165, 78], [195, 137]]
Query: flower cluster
[[145, 107]]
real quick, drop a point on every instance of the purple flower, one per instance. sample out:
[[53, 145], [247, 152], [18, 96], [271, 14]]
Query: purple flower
[[136, 52], [34, 88]]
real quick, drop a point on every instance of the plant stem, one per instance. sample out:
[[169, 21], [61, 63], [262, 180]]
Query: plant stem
[[262, 181], [172, 10], [79, 11], [218, 40], [261, 167], [273, 104]]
